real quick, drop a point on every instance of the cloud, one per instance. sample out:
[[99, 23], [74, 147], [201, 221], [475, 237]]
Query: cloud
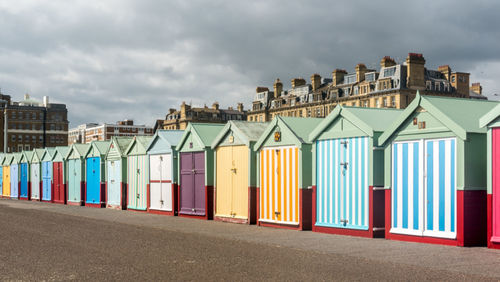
[[110, 60]]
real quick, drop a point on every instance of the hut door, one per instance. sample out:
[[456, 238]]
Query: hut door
[[496, 184], [342, 182], [46, 181], [192, 183], [14, 181], [58, 182], [93, 180], [35, 180], [224, 182], [161, 182], [132, 182], [440, 191], [279, 191], [24, 180], [6, 181], [73, 185], [137, 182], [114, 182], [1, 181]]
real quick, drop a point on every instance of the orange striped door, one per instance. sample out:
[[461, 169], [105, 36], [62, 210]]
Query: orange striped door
[[279, 178]]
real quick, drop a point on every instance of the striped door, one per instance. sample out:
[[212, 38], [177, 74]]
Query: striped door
[[35, 180], [24, 180], [14, 181], [424, 188], [342, 183], [279, 178], [137, 182], [74, 180], [46, 181]]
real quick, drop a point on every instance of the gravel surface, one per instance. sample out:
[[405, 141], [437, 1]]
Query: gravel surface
[[40, 241]]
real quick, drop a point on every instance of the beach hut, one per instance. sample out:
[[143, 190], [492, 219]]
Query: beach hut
[[2, 157], [75, 165], [284, 173], [6, 175], [24, 181], [116, 174], [47, 191], [491, 121], [435, 172], [35, 174], [137, 173], [14, 175], [196, 170], [348, 177], [163, 171], [59, 172], [95, 174], [236, 171]]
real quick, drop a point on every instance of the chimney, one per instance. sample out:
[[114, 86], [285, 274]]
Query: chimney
[[171, 111], [360, 72], [45, 101], [477, 88], [261, 89], [338, 76], [446, 71], [415, 63], [278, 88], [240, 107], [215, 106], [387, 62], [460, 81], [315, 81], [296, 82]]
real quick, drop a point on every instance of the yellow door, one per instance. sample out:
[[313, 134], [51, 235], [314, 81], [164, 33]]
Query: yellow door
[[6, 181], [279, 185], [232, 182]]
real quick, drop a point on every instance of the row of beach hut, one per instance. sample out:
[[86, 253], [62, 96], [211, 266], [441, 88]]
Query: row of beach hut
[[429, 173]]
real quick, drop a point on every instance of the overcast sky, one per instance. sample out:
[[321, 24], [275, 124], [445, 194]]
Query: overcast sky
[[111, 60]]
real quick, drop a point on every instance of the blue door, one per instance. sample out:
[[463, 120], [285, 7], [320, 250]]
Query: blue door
[[47, 181], [14, 181], [24, 180], [342, 181], [93, 181]]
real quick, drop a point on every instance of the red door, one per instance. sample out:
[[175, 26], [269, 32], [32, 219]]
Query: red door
[[59, 191], [495, 145]]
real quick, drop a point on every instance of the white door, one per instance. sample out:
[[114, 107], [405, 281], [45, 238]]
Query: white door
[[35, 180], [160, 182]]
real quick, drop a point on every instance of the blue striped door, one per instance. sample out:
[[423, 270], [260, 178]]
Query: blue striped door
[[47, 181], [24, 180], [440, 192], [342, 183], [424, 188]]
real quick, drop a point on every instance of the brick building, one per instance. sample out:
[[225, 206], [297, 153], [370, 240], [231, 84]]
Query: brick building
[[32, 124], [394, 85], [89, 132], [179, 119]]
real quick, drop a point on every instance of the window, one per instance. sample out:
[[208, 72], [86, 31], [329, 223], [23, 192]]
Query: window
[[13, 138], [356, 90], [366, 104], [453, 79], [385, 102], [20, 147], [378, 103], [33, 138], [370, 76], [428, 85], [27, 147], [393, 101], [438, 86], [40, 138], [348, 79], [389, 71]]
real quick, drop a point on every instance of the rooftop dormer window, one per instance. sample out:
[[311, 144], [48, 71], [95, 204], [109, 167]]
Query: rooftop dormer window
[[348, 79], [389, 71]]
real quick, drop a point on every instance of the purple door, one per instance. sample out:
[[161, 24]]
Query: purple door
[[192, 183]]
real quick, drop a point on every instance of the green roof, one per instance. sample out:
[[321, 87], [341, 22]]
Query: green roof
[[141, 141], [458, 114], [62, 151], [247, 131], [123, 142], [7, 158], [204, 132], [16, 157], [490, 116], [299, 127], [100, 146], [169, 138], [369, 120], [48, 154]]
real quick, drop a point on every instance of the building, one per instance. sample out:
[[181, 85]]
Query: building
[[32, 124], [394, 85], [89, 132], [176, 120]]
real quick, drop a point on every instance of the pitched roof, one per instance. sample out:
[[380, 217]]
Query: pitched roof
[[101, 147], [249, 132], [458, 114], [62, 150], [297, 126], [122, 142], [204, 132], [367, 119], [172, 137], [490, 116], [142, 141]]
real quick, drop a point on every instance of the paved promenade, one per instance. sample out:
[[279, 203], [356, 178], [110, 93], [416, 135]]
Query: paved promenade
[[40, 241]]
